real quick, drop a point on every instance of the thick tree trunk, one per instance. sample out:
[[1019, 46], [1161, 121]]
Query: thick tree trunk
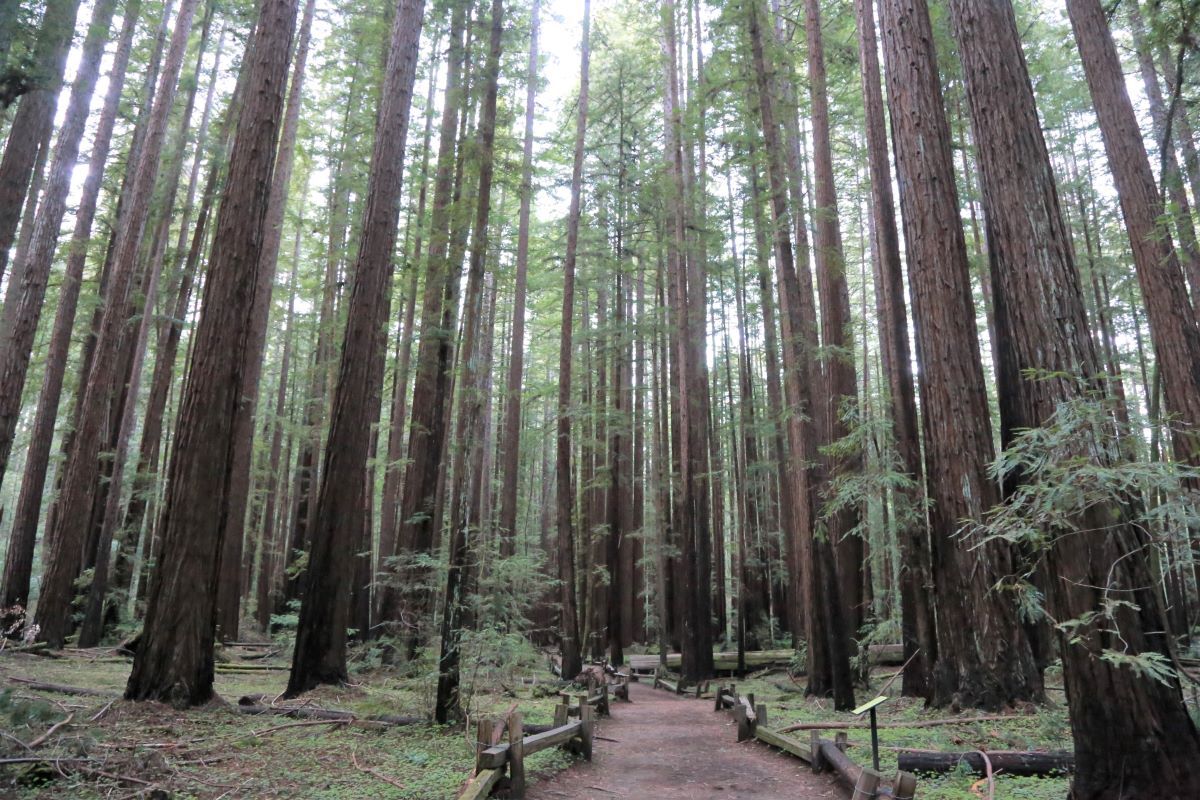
[[320, 654], [408, 607], [916, 608], [174, 661], [984, 657], [1042, 327], [228, 594]]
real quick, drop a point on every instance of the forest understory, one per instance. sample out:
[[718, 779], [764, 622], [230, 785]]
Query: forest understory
[[422, 338]]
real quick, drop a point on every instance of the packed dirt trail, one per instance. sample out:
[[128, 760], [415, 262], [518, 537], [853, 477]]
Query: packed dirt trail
[[663, 746]]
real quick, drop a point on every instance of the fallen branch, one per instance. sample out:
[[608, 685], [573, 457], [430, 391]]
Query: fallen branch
[[52, 730], [331, 714], [374, 772], [306, 723], [1011, 762]]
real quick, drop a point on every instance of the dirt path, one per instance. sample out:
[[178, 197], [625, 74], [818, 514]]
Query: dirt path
[[668, 747]]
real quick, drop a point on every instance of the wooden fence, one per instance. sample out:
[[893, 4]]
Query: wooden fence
[[821, 754], [497, 762]]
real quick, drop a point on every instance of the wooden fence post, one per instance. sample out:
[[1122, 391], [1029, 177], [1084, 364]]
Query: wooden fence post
[[743, 723], [905, 786], [560, 714], [483, 740], [760, 715], [718, 700], [586, 729], [867, 785], [516, 756], [818, 761]]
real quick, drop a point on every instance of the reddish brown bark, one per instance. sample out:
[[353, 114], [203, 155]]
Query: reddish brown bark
[[1172, 322], [920, 642], [320, 654], [1042, 327], [14, 357], [67, 534], [174, 660], [984, 658]]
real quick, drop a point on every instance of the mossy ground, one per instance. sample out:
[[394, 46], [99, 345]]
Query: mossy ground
[[153, 750], [1033, 728]]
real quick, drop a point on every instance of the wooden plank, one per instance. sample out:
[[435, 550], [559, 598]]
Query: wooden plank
[[482, 784], [497, 756], [784, 743]]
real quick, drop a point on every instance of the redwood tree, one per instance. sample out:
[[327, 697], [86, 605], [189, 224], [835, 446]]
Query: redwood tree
[[984, 657], [320, 654], [174, 660], [1140, 739]]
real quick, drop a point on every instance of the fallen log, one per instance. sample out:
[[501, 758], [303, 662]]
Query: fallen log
[[331, 714], [60, 688], [923, 723], [1011, 762]]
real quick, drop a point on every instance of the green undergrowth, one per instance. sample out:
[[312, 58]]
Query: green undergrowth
[[153, 750], [1031, 728]]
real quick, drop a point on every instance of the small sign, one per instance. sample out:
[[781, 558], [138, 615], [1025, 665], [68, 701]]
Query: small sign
[[867, 706]]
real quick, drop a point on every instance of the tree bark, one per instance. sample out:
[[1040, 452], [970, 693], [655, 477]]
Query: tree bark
[[920, 643], [984, 658], [31, 125], [82, 468], [228, 594], [1048, 359], [320, 654]]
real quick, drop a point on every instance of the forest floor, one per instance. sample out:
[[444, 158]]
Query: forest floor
[[126, 750], [661, 745]]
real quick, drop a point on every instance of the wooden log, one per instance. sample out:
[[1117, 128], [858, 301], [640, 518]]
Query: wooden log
[[482, 784], [833, 757], [308, 712], [922, 723], [60, 688], [516, 757], [785, 743], [1012, 762]]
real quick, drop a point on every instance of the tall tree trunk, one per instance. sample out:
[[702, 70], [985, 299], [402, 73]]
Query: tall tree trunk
[[18, 565], [228, 595], [916, 608], [838, 345], [511, 438], [1172, 321], [408, 606], [1042, 327], [569, 643], [320, 654], [470, 477], [66, 535], [174, 660], [984, 658], [32, 125]]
